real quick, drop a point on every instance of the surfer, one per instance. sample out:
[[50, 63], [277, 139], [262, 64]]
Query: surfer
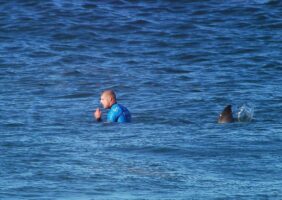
[[117, 113]]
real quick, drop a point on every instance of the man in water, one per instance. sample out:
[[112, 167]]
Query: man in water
[[117, 113]]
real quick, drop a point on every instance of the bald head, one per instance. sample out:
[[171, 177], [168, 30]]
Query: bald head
[[109, 93], [108, 98]]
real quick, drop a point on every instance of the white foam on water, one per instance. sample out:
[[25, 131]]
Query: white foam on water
[[245, 113]]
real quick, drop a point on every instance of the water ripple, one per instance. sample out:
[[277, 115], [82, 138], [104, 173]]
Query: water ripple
[[175, 65]]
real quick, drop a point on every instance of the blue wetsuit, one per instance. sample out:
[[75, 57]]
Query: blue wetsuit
[[118, 113]]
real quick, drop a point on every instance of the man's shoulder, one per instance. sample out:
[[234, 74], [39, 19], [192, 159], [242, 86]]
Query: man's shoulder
[[116, 108], [119, 108]]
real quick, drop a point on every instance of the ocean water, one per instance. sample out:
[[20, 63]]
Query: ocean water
[[174, 64]]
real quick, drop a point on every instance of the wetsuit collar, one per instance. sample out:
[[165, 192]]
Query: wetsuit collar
[[113, 105]]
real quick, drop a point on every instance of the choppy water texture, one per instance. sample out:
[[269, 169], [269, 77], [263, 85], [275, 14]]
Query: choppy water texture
[[174, 64]]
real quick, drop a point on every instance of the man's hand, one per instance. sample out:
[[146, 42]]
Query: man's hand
[[98, 114]]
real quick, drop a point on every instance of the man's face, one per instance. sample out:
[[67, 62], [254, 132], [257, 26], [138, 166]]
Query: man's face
[[105, 101]]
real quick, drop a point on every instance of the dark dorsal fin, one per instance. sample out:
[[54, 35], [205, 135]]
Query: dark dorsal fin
[[227, 110], [226, 115]]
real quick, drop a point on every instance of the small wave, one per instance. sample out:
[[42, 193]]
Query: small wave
[[75, 96], [163, 150], [200, 12], [75, 58], [73, 73], [179, 35], [140, 22], [273, 66], [64, 36], [276, 25], [175, 71], [266, 2], [149, 149], [89, 6], [187, 57], [14, 124], [41, 54], [112, 40]]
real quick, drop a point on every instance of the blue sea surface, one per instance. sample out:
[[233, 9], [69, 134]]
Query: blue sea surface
[[174, 64]]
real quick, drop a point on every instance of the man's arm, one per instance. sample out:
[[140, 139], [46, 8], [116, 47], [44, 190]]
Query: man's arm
[[98, 115]]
